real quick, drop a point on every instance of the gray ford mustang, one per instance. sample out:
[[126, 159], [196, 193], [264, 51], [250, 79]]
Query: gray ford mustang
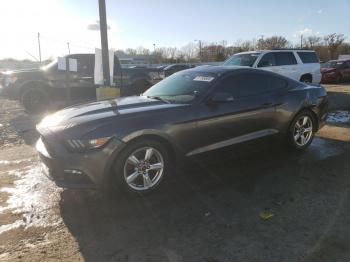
[[133, 142]]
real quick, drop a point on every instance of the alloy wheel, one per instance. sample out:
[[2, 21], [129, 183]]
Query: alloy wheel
[[143, 169], [303, 130]]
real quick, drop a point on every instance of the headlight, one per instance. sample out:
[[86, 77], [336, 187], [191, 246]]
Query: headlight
[[10, 80], [79, 145]]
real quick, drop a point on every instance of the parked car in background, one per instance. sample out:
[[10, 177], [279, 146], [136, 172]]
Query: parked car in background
[[300, 65], [133, 143], [335, 71], [171, 69], [37, 88]]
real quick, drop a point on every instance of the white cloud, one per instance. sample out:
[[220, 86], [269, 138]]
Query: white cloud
[[320, 11], [305, 31]]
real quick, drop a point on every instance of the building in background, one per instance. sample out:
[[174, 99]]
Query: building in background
[[136, 60]]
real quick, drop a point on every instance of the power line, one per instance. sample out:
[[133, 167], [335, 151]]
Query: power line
[[65, 43], [32, 56]]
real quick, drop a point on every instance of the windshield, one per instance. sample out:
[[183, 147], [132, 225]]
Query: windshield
[[332, 64], [242, 59], [183, 87], [49, 65]]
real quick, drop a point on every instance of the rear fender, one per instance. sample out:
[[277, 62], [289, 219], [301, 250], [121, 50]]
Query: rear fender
[[317, 103]]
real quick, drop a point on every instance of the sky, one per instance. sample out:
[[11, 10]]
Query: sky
[[136, 23]]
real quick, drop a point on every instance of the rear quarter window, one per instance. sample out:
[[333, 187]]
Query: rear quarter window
[[308, 57]]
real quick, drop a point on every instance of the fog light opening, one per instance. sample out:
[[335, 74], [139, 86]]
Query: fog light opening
[[73, 171]]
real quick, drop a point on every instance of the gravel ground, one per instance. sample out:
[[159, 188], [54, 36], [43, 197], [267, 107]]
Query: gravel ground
[[270, 205]]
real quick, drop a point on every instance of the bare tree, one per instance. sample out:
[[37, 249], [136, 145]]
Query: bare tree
[[189, 51], [327, 47], [143, 51], [344, 49], [247, 46], [131, 51], [333, 42], [172, 51], [312, 41], [272, 42]]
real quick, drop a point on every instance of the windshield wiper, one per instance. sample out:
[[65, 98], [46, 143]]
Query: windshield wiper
[[159, 98]]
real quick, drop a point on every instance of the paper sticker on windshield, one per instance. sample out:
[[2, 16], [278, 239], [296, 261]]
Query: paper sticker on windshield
[[203, 78]]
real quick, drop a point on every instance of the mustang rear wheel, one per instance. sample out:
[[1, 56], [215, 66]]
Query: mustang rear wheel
[[142, 166], [301, 131]]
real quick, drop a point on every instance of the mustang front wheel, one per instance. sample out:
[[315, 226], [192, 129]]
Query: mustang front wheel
[[142, 166]]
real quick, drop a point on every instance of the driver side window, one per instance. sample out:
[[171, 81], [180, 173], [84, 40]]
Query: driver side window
[[250, 84], [241, 85], [267, 60]]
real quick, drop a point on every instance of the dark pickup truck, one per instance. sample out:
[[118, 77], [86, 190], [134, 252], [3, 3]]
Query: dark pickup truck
[[36, 89]]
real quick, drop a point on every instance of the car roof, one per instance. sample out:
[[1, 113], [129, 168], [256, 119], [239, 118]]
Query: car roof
[[179, 64], [220, 69], [274, 50]]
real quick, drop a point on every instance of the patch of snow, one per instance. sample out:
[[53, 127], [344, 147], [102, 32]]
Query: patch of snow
[[33, 196], [339, 117], [14, 162], [16, 224]]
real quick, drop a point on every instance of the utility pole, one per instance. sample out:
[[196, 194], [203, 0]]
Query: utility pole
[[301, 41], [39, 47], [68, 48], [200, 49], [104, 43]]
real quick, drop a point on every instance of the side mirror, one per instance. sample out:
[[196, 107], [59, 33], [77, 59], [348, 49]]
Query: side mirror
[[222, 97]]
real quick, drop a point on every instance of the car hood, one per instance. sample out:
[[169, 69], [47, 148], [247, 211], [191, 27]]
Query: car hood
[[23, 73], [20, 71], [99, 111]]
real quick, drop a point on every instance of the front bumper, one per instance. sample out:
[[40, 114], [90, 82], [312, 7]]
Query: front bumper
[[327, 78], [65, 167], [9, 92]]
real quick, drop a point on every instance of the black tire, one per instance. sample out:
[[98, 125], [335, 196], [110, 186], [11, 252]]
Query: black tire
[[306, 79], [35, 100], [292, 133], [118, 179]]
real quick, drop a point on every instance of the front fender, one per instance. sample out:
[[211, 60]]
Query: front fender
[[147, 132]]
